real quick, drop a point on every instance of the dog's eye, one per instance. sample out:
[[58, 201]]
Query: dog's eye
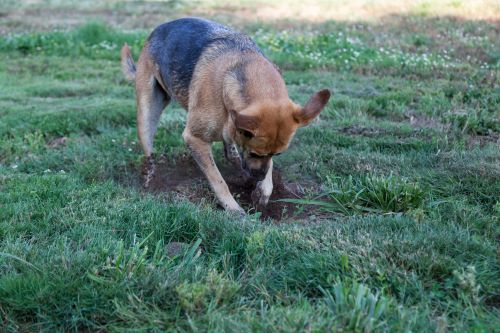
[[247, 134]]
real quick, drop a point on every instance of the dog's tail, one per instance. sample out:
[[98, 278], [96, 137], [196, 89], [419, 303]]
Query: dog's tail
[[128, 65]]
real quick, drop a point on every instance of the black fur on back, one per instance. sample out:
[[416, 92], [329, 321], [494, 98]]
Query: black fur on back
[[177, 46]]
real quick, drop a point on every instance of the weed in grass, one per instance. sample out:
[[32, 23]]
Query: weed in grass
[[467, 285], [369, 194], [359, 309], [474, 122], [215, 291]]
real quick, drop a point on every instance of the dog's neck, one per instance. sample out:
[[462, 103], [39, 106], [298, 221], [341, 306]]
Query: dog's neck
[[253, 78]]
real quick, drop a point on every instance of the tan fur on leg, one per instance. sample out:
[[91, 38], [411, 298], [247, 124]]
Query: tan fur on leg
[[151, 100], [202, 153]]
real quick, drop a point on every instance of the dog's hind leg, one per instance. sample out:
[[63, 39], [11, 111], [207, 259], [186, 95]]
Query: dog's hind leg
[[151, 101]]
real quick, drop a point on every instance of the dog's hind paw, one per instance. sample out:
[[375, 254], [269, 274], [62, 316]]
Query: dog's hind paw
[[148, 171]]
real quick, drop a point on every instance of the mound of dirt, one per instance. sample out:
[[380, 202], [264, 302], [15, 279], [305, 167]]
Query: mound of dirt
[[183, 177]]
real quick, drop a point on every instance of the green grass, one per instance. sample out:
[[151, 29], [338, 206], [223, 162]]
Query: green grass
[[404, 159], [368, 194]]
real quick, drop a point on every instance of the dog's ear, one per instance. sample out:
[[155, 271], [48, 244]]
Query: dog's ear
[[313, 107], [244, 123]]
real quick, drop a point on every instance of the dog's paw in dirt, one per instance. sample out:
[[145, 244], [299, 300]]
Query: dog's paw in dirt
[[260, 195], [148, 170]]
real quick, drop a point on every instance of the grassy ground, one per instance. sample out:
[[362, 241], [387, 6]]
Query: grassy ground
[[405, 162]]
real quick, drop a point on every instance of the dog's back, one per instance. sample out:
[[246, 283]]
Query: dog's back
[[176, 47]]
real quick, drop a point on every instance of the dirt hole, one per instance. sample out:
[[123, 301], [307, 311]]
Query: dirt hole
[[183, 177]]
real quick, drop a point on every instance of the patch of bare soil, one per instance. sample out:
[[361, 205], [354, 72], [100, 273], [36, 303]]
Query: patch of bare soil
[[420, 121], [361, 130], [57, 142], [183, 178], [483, 140]]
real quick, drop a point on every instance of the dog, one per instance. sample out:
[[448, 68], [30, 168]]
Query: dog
[[232, 93]]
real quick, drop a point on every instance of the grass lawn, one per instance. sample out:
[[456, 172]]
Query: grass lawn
[[395, 227]]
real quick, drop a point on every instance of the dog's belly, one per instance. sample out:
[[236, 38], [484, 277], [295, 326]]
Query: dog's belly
[[178, 46]]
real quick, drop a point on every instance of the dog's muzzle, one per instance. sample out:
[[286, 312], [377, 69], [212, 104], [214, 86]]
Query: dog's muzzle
[[257, 174]]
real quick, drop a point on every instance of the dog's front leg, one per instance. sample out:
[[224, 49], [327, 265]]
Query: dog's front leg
[[202, 153], [264, 188]]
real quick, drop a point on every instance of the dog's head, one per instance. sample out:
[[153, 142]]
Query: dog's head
[[265, 129]]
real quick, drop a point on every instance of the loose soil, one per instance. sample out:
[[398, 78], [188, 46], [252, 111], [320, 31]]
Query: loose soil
[[183, 178]]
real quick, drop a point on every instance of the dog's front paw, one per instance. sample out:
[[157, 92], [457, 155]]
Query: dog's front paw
[[261, 194], [234, 208], [238, 212]]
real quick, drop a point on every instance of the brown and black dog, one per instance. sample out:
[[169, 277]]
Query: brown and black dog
[[232, 93]]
